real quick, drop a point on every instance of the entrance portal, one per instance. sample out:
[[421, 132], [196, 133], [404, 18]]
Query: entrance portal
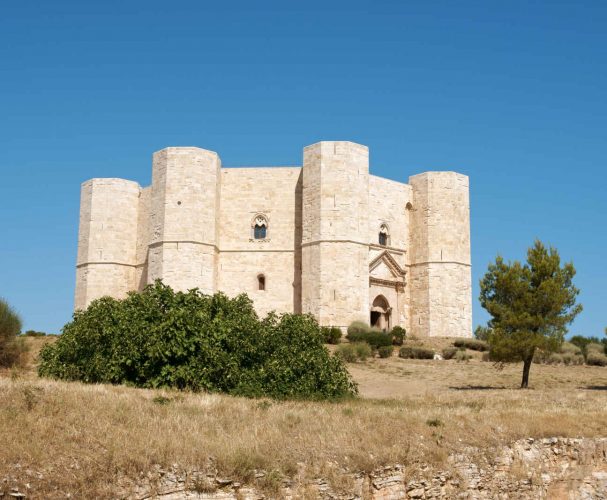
[[380, 313]]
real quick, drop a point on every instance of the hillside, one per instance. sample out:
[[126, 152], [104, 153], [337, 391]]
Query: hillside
[[107, 441]]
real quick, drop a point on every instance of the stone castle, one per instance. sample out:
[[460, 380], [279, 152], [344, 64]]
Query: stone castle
[[326, 238]]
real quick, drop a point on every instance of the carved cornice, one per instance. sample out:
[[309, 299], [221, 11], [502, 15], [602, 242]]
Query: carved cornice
[[397, 285]]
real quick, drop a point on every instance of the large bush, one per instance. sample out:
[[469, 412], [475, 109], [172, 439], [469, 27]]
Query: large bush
[[360, 332], [162, 338], [11, 347], [398, 335]]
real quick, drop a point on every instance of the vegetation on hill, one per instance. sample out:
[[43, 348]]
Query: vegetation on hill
[[11, 347], [359, 331], [530, 305], [162, 338]]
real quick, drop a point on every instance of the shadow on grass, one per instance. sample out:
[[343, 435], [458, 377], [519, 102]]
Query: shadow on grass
[[477, 388], [595, 387]]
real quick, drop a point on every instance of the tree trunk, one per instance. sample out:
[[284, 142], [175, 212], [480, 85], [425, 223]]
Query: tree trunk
[[526, 367]]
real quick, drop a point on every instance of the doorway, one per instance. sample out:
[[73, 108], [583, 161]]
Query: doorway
[[380, 313]]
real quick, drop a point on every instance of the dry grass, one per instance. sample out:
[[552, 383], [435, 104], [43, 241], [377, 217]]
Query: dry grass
[[83, 439]]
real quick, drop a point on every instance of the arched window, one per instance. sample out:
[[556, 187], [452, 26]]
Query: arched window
[[261, 282], [260, 227], [384, 235]]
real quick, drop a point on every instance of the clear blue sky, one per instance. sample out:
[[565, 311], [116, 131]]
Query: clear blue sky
[[511, 93]]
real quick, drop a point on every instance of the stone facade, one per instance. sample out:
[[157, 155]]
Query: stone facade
[[327, 238]]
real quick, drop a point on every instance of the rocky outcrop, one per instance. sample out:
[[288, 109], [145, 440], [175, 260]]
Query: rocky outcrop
[[553, 468]]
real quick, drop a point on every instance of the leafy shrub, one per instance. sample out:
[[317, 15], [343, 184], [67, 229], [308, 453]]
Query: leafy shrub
[[331, 334], [449, 352], [416, 353], [162, 338], [363, 350], [462, 355], [398, 335], [595, 358], [11, 347], [482, 333], [385, 351], [473, 344], [346, 352], [375, 338]]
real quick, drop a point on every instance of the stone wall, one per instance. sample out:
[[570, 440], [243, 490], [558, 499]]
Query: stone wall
[[274, 192], [193, 227]]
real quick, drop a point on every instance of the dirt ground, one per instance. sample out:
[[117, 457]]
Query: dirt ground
[[401, 378]]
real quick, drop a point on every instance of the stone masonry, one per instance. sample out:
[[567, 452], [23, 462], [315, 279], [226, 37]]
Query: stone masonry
[[327, 238]]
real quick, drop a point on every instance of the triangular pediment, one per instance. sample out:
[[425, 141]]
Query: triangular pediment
[[385, 267]]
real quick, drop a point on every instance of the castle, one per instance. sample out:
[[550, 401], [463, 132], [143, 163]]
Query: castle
[[326, 238]]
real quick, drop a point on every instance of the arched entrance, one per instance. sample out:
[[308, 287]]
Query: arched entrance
[[380, 313]]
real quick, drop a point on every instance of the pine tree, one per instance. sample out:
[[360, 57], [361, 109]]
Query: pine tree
[[530, 305]]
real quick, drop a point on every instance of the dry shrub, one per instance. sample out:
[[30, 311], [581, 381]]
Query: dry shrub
[[346, 352], [415, 353], [569, 348], [385, 351], [595, 347], [595, 358], [356, 351], [473, 344], [572, 359], [555, 358], [449, 352], [363, 350], [462, 355]]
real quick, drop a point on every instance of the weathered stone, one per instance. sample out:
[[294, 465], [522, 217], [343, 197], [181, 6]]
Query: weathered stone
[[321, 254]]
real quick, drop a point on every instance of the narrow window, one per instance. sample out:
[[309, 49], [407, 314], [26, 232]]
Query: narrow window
[[260, 227], [260, 232], [384, 235], [261, 282]]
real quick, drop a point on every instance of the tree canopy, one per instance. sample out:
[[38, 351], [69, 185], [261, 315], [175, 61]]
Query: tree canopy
[[530, 305]]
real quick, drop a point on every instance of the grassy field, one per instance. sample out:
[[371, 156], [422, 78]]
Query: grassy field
[[88, 441]]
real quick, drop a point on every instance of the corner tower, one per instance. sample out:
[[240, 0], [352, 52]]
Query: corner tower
[[107, 240], [440, 273], [183, 218], [335, 250]]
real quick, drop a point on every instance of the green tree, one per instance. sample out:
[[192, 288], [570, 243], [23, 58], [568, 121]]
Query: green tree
[[482, 333], [10, 326], [530, 305]]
